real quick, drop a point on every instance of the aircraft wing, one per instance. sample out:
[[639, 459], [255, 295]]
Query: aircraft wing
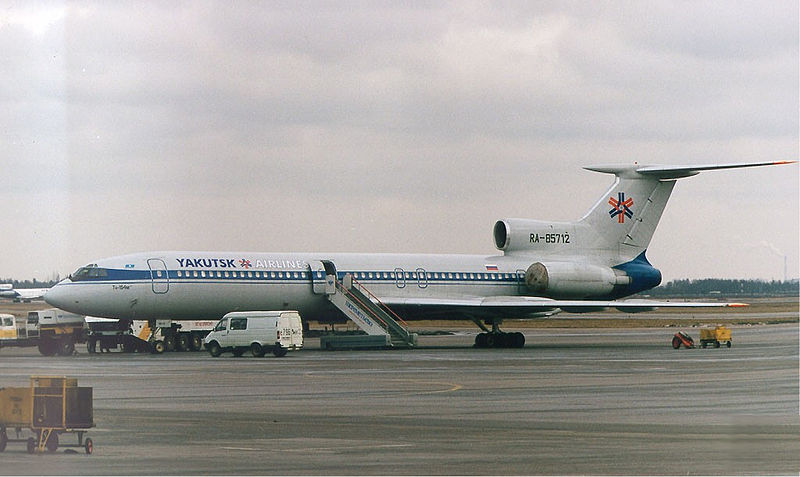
[[532, 306]]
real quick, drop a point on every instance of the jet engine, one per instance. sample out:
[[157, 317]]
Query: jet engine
[[573, 280]]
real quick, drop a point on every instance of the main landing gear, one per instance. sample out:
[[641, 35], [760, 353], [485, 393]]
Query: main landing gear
[[496, 338]]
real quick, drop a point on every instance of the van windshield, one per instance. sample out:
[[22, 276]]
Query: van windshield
[[223, 323]]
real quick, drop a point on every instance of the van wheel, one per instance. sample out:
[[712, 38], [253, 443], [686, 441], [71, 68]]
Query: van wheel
[[257, 350], [279, 351], [214, 349]]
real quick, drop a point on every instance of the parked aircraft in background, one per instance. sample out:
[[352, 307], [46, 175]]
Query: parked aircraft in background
[[7, 290], [544, 267]]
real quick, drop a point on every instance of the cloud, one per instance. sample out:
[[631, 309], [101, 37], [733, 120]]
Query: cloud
[[149, 116]]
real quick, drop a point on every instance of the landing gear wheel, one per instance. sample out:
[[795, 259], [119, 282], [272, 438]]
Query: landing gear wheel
[[214, 349], [676, 343], [52, 442], [257, 350], [480, 340], [88, 446], [517, 340], [31, 445], [279, 351], [491, 340]]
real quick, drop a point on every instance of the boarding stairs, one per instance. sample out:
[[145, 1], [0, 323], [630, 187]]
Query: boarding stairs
[[367, 312]]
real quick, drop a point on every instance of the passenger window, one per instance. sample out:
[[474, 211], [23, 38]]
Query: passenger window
[[238, 324]]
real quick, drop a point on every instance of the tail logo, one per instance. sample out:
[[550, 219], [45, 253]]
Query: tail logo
[[621, 207]]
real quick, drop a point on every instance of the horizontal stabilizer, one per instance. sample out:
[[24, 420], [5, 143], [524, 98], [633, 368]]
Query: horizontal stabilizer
[[676, 172]]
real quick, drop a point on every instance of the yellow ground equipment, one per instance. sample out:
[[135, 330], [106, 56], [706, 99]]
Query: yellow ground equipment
[[715, 336], [49, 407]]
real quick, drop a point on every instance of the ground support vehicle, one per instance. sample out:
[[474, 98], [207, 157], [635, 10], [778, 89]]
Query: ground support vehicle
[[715, 336], [682, 338], [107, 334], [53, 331], [184, 335], [51, 406], [156, 336], [257, 331]]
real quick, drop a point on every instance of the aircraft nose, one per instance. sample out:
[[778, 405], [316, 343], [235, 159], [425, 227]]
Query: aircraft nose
[[57, 295]]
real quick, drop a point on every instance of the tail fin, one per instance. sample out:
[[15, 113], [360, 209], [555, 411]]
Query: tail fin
[[626, 216]]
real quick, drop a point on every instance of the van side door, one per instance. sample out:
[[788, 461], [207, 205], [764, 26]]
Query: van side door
[[238, 331]]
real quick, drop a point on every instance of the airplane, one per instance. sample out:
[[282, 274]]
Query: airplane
[[7, 290], [587, 265]]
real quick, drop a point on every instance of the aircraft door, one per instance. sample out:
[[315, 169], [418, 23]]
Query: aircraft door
[[159, 275], [323, 276], [422, 278], [399, 278]]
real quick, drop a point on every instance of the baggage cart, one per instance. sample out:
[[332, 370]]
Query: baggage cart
[[715, 336], [51, 406]]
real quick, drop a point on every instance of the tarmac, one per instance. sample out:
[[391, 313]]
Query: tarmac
[[573, 401]]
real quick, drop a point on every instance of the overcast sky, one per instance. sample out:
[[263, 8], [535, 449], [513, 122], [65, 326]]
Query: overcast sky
[[390, 126]]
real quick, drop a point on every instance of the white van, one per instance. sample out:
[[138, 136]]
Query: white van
[[257, 331]]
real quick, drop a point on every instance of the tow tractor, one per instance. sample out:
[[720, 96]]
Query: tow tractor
[[682, 338]]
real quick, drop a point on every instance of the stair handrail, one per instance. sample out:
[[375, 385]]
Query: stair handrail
[[363, 306], [383, 306]]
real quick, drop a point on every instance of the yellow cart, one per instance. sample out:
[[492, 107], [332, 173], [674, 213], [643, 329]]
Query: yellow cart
[[715, 336], [49, 407]]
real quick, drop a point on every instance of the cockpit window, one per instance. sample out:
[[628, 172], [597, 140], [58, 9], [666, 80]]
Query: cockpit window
[[89, 272]]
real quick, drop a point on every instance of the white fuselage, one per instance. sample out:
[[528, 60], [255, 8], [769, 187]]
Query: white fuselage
[[207, 285]]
